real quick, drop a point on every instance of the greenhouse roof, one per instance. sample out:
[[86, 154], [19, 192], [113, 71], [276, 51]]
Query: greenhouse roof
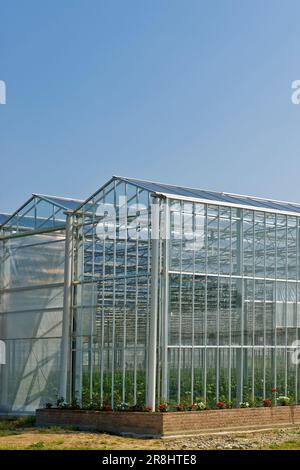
[[44, 211], [40, 212], [63, 202], [224, 198], [4, 218]]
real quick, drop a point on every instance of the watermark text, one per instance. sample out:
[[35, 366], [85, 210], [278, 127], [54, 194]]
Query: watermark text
[[2, 92]]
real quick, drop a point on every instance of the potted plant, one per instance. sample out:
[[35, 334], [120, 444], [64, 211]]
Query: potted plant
[[200, 405], [283, 400], [191, 407], [221, 405], [180, 407], [135, 407], [267, 402], [105, 407], [244, 404], [163, 407], [123, 406], [75, 405]]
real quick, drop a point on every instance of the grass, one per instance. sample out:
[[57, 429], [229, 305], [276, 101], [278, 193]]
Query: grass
[[13, 425], [75, 441], [20, 434], [291, 444]]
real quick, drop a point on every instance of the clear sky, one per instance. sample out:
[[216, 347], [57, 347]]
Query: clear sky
[[191, 92]]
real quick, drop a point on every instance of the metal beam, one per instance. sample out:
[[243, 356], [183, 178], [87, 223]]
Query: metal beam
[[165, 303], [152, 356], [67, 306]]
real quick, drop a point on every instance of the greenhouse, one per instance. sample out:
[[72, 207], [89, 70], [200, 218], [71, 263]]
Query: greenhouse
[[148, 293]]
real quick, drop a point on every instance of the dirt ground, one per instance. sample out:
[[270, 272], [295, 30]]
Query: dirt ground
[[20, 434]]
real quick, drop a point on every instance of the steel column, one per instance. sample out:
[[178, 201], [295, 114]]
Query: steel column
[[67, 306], [152, 356]]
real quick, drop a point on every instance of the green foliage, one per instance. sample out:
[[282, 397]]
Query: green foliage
[[283, 400], [60, 402], [13, 425], [132, 397], [125, 392], [39, 445], [200, 405]]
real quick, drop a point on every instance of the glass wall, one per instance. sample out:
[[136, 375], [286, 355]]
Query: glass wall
[[233, 311], [112, 296]]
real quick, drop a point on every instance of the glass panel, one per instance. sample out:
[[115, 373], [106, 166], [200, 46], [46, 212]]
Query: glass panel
[[186, 376], [225, 246], [200, 243], [249, 312], [176, 240], [291, 376], [199, 374], [224, 375], [212, 311], [270, 312], [187, 310], [235, 379], [236, 311], [270, 381], [248, 391], [173, 367], [212, 245], [259, 373], [259, 244], [248, 244], [224, 311], [281, 370], [281, 247], [31, 376], [199, 310], [259, 313], [211, 376], [236, 244], [270, 245], [188, 247], [174, 315], [291, 249]]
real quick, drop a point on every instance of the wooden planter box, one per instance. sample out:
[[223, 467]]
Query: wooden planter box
[[145, 424]]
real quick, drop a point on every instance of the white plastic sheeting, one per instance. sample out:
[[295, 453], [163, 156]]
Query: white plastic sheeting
[[31, 302]]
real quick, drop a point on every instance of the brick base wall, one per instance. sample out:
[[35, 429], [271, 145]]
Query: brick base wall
[[135, 423], [171, 423]]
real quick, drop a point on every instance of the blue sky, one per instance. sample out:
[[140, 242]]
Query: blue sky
[[196, 93]]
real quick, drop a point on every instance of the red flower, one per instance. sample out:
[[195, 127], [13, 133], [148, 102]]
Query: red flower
[[180, 407], [220, 404], [106, 408], [162, 407], [148, 408], [267, 402], [274, 390]]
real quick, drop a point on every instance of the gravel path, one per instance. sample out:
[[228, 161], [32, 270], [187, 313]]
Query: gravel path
[[242, 441]]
